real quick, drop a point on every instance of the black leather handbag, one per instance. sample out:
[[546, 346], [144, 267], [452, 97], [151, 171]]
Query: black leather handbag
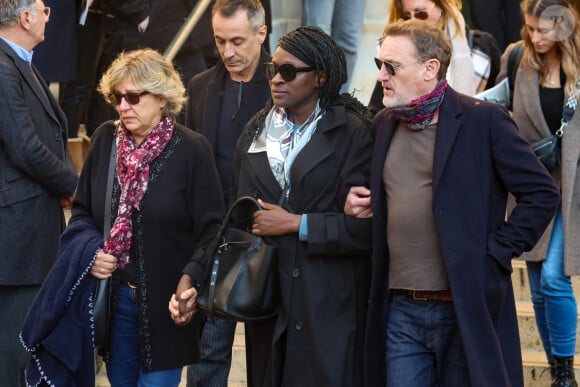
[[548, 151], [241, 282], [102, 304], [102, 311]]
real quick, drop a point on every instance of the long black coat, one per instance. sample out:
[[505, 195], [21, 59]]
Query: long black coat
[[35, 170], [478, 158], [180, 213], [324, 281]]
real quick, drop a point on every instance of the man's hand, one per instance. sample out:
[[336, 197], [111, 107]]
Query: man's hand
[[274, 220], [358, 202], [182, 304], [66, 203]]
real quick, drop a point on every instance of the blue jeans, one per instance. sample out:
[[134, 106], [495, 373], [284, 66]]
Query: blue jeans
[[341, 19], [216, 343], [424, 346], [553, 297], [124, 369]]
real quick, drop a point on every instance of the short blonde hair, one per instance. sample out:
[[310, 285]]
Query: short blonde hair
[[149, 71]]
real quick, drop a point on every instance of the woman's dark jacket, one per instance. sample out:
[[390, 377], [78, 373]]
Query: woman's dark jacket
[[324, 282], [179, 214]]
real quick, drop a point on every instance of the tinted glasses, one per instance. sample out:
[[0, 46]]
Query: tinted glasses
[[388, 65], [421, 14], [287, 71], [131, 98]]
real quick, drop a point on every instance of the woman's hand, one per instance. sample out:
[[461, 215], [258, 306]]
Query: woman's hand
[[274, 220], [358, 202], [182, 304], [104, 265]]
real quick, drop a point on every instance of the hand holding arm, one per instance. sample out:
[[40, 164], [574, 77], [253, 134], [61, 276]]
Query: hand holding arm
[[358, 203]]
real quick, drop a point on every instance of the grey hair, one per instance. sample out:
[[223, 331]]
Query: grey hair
[[254, 9], [10, 11]]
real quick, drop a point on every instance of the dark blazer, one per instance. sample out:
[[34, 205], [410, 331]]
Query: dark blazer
[[324, 281], [501, 18], [35, 171], [165, 19], [55, 56], [479, 158], [205, 91]]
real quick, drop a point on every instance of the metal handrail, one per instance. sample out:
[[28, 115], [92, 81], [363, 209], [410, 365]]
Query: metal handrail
[[186, 29]]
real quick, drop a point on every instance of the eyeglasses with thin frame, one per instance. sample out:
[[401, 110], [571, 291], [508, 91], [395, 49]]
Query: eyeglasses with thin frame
[[391, 68], [421, 14], [45, 10], [287, 71], [131, 98]]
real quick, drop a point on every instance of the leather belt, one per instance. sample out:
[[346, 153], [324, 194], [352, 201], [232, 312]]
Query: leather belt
[[425, 295], [131, 284]]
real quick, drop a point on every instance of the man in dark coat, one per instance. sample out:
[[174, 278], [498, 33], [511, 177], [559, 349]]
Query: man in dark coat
[[442, 302], [222, 99], [37, 176]]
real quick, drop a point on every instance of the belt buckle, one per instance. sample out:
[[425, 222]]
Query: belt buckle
[[415, 296], [133, 287]]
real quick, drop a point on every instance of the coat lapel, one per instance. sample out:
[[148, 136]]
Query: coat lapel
[[38, 88], [527, 85], [447, 129]]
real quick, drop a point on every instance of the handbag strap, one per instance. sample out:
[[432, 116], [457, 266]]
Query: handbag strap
[[109, 192], [567, 114]]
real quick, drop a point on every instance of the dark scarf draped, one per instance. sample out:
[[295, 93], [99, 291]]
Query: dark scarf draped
[[133, 174], [421, 110]]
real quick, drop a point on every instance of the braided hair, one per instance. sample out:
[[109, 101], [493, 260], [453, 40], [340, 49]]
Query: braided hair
[[316, 49]]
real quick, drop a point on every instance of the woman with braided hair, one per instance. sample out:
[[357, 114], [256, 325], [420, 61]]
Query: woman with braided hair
[[299, 156]]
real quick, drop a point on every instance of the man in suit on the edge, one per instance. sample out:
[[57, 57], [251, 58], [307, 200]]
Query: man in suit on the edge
[[37, 177]]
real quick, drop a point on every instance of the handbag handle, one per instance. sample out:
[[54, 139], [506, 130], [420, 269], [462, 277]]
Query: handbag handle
[[217, 242]]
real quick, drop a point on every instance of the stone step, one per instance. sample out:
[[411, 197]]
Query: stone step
[[529, 335]]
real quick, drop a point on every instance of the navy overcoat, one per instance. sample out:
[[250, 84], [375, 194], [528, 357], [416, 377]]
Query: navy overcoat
[[478, 158]]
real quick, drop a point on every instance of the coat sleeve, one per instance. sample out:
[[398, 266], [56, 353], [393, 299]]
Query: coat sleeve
[[524, 176], [334, 232], [24, 144], [206, 206]]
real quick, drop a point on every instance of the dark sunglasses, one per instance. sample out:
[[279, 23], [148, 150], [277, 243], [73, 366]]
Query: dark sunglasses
[[131, 98], [422, 14], [287, 71], [388, 65]]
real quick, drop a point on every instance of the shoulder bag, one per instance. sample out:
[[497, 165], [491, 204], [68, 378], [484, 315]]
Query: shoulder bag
[[547, 149], [102, 307], [241, 281]]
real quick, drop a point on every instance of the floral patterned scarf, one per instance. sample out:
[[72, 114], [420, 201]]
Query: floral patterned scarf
[[132, 167]]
